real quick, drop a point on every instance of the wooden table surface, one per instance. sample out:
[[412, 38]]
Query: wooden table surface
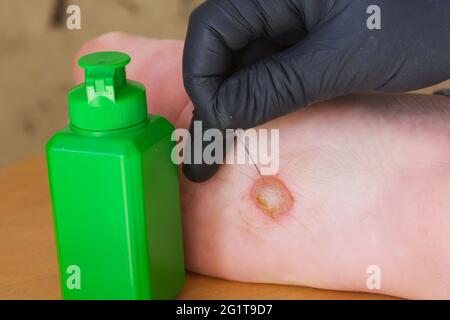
[[28, 265]]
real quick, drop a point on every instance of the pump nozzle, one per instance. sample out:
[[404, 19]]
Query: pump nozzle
[[104, 74], [107, 100]]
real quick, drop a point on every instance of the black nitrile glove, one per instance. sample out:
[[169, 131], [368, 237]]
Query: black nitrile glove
[[249, 61]]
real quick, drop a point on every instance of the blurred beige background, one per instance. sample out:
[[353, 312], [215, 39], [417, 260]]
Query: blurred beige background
[[37, 51]]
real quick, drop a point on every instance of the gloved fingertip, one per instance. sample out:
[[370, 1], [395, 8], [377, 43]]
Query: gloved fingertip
[[199, 173], [442, 92]]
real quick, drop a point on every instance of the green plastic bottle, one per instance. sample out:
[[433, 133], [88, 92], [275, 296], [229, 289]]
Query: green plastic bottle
[[115, 191]]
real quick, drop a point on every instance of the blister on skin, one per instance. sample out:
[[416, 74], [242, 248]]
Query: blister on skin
[[271, 196]]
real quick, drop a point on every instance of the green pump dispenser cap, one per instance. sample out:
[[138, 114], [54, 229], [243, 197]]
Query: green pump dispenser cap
[[107, 100]]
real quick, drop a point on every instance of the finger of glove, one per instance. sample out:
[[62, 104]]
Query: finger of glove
[[220, 29]]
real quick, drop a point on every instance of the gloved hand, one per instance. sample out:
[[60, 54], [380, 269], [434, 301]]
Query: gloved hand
[[249, 61]]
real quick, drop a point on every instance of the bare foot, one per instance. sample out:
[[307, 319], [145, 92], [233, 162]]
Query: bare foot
[[368, 177]]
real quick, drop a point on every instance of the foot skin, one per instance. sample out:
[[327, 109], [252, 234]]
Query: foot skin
[[368, 176]]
